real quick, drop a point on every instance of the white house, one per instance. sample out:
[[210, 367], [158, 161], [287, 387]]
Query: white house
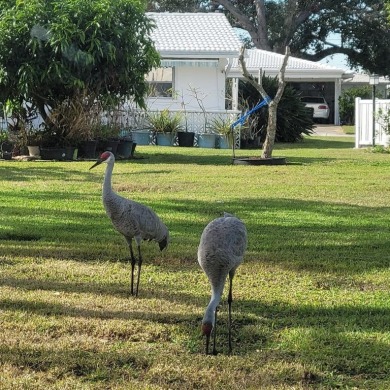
[[196, 52], [199, 51]]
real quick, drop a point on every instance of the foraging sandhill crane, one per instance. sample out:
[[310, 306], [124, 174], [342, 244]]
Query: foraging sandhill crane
[[130, 218], [221, 251]]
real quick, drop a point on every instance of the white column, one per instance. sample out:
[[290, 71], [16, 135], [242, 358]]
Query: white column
[[235, 93], [337, 93]]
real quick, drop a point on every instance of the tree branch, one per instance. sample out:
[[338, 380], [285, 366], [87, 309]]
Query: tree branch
[[259, 35], [249, 77]]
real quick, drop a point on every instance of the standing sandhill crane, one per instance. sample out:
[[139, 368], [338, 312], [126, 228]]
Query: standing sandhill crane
[[130, 218], [221, 250]]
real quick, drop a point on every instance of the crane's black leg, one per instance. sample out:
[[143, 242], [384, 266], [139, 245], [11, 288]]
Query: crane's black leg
[[139, 268], [230, 300], [215, 332], [132, 258]]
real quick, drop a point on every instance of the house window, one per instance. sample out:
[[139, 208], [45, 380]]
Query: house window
[[160, 82]]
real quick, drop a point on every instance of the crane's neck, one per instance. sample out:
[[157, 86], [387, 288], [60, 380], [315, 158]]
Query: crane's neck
[[209, 315], [107, 187]]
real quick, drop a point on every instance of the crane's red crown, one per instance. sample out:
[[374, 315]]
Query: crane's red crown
[[105, 156]]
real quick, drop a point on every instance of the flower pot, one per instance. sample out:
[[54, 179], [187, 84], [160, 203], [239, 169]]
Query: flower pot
[[71, 153], [6, 150], [185, 138], [124, 149], [88, 149], [141, 137], [34, 151], [223, 141], [111, 146], [53, 153], [207, 140], [164, 139]]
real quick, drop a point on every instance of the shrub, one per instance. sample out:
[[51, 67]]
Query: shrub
[[293, 119]]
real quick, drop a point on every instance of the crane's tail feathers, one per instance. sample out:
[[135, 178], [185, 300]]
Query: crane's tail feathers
[[163, 243]]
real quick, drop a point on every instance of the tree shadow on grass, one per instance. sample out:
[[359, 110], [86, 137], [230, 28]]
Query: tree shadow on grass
[[294, 233]]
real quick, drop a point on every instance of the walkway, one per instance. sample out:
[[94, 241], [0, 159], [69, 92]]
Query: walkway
[[329, 130]]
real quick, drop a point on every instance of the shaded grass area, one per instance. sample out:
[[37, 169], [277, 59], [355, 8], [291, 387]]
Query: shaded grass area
[[311, 300]]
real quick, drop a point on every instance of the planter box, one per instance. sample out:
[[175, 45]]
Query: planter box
[[141, 137], [88, 149], [53, 154], [185, 138], [207, 140], [125, 149], [223, 141], [164, 139]]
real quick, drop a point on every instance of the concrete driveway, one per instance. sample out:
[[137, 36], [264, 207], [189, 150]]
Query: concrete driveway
[[329, 130]]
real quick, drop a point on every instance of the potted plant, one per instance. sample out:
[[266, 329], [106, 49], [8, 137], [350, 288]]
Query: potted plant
[[165, 126], [108, 137], [222, 128], [6, 146]]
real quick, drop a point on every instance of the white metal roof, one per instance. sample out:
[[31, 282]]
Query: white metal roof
[[194, 35], [270, 63]]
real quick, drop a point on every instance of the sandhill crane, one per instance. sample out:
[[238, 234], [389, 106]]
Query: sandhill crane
[[221, 250], [130, 218]]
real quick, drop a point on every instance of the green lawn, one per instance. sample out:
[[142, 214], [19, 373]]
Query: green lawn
[[311, 303]]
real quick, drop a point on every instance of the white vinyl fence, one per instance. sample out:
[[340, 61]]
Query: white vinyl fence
[[364, 122]]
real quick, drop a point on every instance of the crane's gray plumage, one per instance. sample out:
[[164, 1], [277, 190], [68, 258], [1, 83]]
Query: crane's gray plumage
[[221, 251], [130, 218]]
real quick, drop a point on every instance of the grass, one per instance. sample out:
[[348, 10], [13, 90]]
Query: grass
[[349, 129], [311, 300]]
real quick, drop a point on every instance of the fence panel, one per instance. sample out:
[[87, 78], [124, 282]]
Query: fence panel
[[364, 122]]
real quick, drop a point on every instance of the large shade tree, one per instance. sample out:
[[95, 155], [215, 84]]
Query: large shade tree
[[56, 50], [312, 29]]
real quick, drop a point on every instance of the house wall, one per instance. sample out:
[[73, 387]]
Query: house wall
[[195, 88]]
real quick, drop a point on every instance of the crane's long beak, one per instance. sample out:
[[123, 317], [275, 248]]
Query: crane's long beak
[[98, 162]]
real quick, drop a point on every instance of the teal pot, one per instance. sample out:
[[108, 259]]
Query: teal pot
[[53, 154], [207, 140], [164, 139], [124, 149], [87, 149], [185, 138], [141, 137], [223, 141]]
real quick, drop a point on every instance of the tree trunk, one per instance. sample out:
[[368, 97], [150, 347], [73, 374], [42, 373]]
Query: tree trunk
[[271, 130], [272, 105]]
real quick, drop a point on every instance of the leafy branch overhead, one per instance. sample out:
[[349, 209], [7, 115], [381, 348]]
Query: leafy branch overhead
[[54, 50]]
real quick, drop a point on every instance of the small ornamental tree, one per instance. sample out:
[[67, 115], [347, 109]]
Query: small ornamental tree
[[270, 134], [53, 51]]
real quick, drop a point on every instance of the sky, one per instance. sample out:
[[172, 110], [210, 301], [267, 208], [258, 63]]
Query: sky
[[337, 60]]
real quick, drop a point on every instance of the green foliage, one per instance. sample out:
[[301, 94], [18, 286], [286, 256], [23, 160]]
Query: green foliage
[[293, 119], [55, 50], [347, 102], [165, 122], [383, 117]]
